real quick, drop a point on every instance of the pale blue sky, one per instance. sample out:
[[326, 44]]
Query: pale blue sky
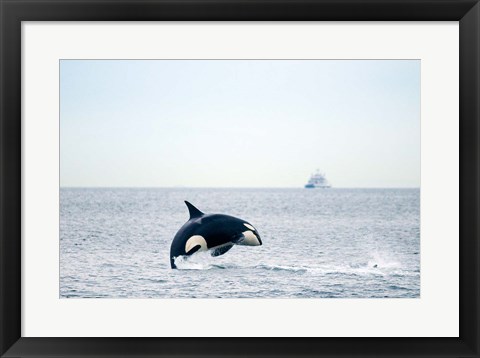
[[250, 123]]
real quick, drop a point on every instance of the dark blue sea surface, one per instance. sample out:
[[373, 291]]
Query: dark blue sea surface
[[317, 243]]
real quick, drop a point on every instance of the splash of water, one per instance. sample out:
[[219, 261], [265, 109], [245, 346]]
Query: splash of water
[[202, 260], [383, 260]]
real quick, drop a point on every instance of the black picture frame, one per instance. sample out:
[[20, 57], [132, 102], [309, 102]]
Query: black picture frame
[[13, 12]]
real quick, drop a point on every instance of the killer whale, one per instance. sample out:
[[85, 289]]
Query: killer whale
[[215, 232]]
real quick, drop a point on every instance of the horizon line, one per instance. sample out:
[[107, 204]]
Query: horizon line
[[231, 187]]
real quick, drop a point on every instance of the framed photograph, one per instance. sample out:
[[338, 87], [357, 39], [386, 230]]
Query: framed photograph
[[239, 178]]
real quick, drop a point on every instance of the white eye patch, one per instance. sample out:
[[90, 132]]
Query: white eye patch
[[249, 226], [194, 241]]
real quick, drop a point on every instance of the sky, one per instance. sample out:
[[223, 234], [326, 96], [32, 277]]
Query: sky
[[239, 123]]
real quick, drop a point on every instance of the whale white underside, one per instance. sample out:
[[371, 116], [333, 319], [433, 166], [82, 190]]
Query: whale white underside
[[198, 243]]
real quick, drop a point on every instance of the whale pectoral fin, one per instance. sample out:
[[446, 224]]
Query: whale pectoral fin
[[195, 243], [221, 250], [193, 249]]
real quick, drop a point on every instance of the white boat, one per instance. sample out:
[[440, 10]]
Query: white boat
[[317, 180]]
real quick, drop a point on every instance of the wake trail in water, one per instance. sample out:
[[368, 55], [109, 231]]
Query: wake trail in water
[[377, 264]]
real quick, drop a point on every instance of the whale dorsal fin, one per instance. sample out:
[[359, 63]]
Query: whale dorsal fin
[[194, 212]]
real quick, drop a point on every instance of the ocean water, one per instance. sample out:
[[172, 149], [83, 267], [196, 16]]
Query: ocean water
[[317, 243]]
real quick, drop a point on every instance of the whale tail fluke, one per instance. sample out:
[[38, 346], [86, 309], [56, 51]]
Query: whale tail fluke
[[193, 211]]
